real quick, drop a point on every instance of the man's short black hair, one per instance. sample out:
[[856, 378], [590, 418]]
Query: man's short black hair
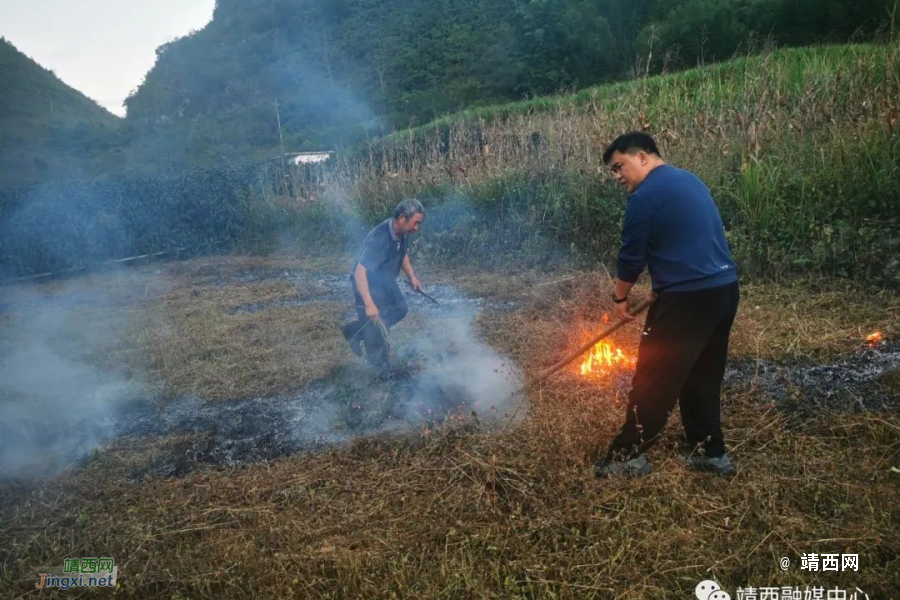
[[630, 143]]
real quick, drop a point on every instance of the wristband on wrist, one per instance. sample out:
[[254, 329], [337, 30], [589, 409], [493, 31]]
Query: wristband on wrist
[[618, 300]]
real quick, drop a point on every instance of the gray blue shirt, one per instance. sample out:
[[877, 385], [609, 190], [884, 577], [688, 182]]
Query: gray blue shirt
[[382, 252]]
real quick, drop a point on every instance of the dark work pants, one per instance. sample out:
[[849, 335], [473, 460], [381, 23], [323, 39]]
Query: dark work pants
[[681, 358], [392, 307]]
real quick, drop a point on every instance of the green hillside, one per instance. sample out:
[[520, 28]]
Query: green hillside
[[799, 146], [46, 127], [346, 70]]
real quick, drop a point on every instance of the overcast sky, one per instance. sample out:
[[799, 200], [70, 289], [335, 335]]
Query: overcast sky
[[102, 48]]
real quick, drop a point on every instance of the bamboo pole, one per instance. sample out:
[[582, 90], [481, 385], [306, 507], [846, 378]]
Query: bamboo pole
[[635, 311]]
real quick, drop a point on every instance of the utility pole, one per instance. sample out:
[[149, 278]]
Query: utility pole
[[281, 139], [280, 136]]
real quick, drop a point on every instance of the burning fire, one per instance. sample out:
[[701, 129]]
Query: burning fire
[[603, 359], [873, 339]]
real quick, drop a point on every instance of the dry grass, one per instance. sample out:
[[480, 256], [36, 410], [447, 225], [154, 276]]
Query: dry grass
[[181, 329], [816, 320], [473, 515], [459, 512], [201, 348], [211, 354]]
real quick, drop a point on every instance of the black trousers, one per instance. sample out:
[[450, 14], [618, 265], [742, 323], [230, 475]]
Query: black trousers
[[681, 358], [392, 308]]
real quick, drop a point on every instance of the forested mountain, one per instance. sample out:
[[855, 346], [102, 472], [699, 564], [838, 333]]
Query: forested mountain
[[344, 69], [46, 127]]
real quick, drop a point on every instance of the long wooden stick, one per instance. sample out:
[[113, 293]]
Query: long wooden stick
[[73, 270], [635, 311]]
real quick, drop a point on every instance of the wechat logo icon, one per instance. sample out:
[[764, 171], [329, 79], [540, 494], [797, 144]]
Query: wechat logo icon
[[710, 590]]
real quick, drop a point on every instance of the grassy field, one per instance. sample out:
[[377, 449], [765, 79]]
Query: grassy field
[[457, 510]]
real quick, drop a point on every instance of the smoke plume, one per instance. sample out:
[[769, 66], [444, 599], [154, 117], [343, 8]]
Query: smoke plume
[[55, 405]]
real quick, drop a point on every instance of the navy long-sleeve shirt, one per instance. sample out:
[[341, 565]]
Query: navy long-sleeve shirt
[[672, 226]]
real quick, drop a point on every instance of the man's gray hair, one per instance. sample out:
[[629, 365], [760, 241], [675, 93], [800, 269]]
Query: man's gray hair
[[408, 208]]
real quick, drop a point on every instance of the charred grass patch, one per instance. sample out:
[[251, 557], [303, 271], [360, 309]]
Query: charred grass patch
[[222, 269], [892, 380]]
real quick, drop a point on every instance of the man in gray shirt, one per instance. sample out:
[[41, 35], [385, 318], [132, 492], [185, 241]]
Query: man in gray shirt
[[373, 280]]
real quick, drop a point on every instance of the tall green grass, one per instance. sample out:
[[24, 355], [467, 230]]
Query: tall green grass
[[799, 146]]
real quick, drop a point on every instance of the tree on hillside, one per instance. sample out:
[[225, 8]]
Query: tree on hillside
[[345, 69], [710, 30]]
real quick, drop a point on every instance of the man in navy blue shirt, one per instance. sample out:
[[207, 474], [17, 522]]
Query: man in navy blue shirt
[[373, 280], [673, 228]]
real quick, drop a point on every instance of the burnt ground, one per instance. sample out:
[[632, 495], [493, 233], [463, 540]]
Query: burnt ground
[[855, 382], [350, 405], [325, 414], [428, 389]]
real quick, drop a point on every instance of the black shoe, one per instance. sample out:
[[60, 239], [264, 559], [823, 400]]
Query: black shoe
[[636, 467], [720, 465], [351, 334], [385, 373]]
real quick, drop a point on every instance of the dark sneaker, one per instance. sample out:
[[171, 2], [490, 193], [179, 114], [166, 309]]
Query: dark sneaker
[[636, 467], [351, 334], [385, 373], [720, 465]]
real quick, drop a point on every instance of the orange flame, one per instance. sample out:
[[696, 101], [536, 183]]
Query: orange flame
[[603, 359], [874, 339]]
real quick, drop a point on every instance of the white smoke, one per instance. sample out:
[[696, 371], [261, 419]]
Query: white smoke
[[461, 369], [55, 407]]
